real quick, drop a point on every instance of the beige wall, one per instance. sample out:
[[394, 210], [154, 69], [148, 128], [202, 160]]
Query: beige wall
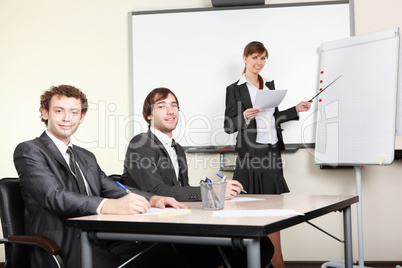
[[84, 43]]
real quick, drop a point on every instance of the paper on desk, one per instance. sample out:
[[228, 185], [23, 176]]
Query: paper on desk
[[243, 199], [265, 99], [164, 211], [256, 213]]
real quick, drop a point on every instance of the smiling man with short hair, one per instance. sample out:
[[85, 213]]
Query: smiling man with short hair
[[54, 187]]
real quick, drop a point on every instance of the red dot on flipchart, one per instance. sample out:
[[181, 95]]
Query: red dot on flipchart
[[320, 89], [322, 72], [320, 100], [320, 81]]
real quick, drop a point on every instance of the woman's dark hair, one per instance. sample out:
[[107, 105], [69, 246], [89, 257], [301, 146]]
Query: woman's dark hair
[[255, 47]]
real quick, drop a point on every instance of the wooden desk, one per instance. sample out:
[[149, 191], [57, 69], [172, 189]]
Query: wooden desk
[[199, 227]]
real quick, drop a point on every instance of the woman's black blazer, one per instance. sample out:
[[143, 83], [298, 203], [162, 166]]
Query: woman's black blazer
[[237, 101]]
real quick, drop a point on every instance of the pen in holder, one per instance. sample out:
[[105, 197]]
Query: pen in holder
[[213, 194]]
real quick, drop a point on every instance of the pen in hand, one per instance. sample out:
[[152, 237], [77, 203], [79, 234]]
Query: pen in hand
[[224, 179], [124, 187]]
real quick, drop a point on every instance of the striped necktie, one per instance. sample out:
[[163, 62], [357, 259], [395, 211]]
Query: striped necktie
[[76, 171]]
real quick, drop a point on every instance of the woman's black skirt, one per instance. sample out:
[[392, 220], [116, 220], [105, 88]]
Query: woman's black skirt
[[262, 173]]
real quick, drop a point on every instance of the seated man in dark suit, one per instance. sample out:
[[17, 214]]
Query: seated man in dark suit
[[152, 163], [60, 180], [156, 164]]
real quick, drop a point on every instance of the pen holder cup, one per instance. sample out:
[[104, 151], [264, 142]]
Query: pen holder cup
[[213, 195]]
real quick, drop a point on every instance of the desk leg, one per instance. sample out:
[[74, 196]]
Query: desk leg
[[347, 230], [86, 251], [253, 253]]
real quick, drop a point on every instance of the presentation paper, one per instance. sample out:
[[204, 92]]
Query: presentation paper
[[269, 98]]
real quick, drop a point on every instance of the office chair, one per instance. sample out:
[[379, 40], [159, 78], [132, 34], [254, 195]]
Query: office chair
[[116, 177], [12, 211]]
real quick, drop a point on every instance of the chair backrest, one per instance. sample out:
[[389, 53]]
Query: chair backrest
[[12, 211], [117, 177]]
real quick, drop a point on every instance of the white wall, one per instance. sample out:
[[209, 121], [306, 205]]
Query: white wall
[[84, 43]]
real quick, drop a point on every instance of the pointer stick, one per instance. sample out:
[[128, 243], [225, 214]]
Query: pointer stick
[[324, 88]]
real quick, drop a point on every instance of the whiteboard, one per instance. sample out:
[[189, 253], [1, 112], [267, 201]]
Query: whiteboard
[[197, 53], [356, 118]]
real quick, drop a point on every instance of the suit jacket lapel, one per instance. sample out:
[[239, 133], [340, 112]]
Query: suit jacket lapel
[[89, 177], [47, 144], [181, 158], [244, 96], [270, 84], [156, 142]]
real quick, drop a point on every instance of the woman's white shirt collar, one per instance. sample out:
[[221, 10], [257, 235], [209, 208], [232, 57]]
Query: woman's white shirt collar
[[243, 80]]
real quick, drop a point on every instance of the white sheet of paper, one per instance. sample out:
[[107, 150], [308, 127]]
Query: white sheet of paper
[[243, 199], [164, 211], [256, 213], [265, 99]]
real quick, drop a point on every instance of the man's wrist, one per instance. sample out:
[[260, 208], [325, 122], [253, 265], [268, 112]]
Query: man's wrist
[[99, 209]]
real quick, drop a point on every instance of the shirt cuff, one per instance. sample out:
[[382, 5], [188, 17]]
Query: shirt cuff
[[98, 210], [245, 118]]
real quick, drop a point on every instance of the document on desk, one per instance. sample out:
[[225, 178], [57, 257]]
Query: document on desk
[[265, 99], [243, 199], [256, 213], [164, 211]]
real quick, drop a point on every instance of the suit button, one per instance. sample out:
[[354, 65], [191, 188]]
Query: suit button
[[78, 236]]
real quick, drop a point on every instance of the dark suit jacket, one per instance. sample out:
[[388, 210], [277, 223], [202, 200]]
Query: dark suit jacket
[[237, 101], [148, 167], [51, 195]]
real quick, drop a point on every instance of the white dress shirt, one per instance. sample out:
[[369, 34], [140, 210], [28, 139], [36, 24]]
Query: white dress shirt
[[167, 143]]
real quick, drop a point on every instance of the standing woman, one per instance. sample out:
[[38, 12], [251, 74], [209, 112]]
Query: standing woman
[[259, 139]]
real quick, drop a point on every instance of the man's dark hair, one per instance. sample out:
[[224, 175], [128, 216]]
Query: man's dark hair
[[153, 97]]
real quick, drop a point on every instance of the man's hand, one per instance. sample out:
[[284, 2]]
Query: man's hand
[[163, 201], [233, 188], [129, 204]]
